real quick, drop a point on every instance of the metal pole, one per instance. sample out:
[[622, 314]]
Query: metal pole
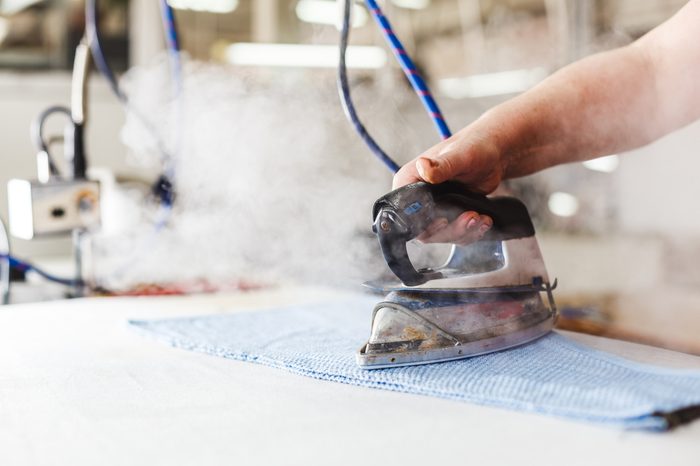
[[265, 20], [79, 290], [4, 264]]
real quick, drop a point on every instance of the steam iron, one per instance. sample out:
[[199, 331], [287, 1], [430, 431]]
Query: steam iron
[[486, 297]]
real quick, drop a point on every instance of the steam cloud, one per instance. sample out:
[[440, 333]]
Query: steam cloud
[[272, 183]]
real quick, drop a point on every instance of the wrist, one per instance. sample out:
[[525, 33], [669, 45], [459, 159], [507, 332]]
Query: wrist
[[498, 133], [521, 135]]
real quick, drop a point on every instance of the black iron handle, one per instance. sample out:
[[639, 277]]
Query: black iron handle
[[405, 213]]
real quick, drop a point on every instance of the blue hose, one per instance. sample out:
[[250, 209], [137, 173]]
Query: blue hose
[[346, 98], [170, 26], [409, 69], [24, 266], [92, 33], [98, 56]]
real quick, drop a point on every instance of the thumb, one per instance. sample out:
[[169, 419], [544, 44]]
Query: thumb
[[440, 167], [475, 165]]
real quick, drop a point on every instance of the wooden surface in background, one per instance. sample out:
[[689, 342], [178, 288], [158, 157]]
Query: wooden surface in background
[[665, 317]]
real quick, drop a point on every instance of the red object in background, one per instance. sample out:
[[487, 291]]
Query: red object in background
[[184, 288]]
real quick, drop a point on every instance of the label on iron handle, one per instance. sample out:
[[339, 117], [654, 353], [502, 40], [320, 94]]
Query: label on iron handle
[[413, 208]]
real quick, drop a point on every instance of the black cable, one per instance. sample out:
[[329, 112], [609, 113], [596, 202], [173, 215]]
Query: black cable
[[79, 85], [93, 36], [346, 98], [5, 269], [163, 190], [77, 161], [37, 135]]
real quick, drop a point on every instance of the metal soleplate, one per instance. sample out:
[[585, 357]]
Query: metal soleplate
[[456, 351]]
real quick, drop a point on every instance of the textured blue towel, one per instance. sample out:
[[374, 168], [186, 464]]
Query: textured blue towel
[[552, 375]]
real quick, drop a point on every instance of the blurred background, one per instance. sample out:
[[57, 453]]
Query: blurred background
[[274, 187]]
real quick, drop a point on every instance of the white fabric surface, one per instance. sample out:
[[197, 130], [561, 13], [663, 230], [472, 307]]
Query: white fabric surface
[[77, 386]]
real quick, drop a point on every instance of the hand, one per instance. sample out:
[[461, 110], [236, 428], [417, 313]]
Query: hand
[[468, 228], [472, 160], [466, 158]]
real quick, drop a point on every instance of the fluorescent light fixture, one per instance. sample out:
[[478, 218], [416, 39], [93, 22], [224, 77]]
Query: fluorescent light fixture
[[491, 84], [412, 4], [4, 28], [211, 6], [607, 164], [303, 55], [328, 12], [563, 204], [10, 7]]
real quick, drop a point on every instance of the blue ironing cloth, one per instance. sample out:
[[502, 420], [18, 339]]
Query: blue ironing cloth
[[552, 375]]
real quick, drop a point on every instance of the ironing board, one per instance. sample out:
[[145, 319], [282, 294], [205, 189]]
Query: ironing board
[[77, 386]]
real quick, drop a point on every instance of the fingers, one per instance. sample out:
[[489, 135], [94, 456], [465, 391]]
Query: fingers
[[441, 167], [433, 229], [424, 168], [466, 159], [431, 170], [468, 228], [406, 175]]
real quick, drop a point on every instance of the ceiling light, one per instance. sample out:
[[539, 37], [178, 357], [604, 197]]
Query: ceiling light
[[491, 84], [4, 29], [563, 204], [412, 4], [303, 55], [10, 7], [607, 164], [327, 12], [211, 6]]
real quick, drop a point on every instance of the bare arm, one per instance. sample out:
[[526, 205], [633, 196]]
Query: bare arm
[[606, 103]]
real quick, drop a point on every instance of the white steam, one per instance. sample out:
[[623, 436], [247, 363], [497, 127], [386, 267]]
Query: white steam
[[272, 183]]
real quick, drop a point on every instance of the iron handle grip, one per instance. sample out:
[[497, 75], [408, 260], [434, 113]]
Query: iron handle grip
[[405, 213], [417, 205]]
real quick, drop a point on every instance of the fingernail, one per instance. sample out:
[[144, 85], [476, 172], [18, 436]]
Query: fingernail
[[426, 162], [423, 165], [484, 228], [471, 222]]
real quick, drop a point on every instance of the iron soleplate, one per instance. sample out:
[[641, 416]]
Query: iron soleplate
[[403, 335]]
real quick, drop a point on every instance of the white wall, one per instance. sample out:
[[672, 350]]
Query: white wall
[[659, 186]]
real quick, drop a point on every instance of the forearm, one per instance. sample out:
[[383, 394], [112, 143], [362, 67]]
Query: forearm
[[606, 103], [600, 105]]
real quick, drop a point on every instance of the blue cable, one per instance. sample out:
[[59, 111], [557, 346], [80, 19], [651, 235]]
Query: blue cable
[[163, 187], [5, 266], [409, 69], [170, 26], [24, 266], [346, 98], [172, 39], [98, 56]]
